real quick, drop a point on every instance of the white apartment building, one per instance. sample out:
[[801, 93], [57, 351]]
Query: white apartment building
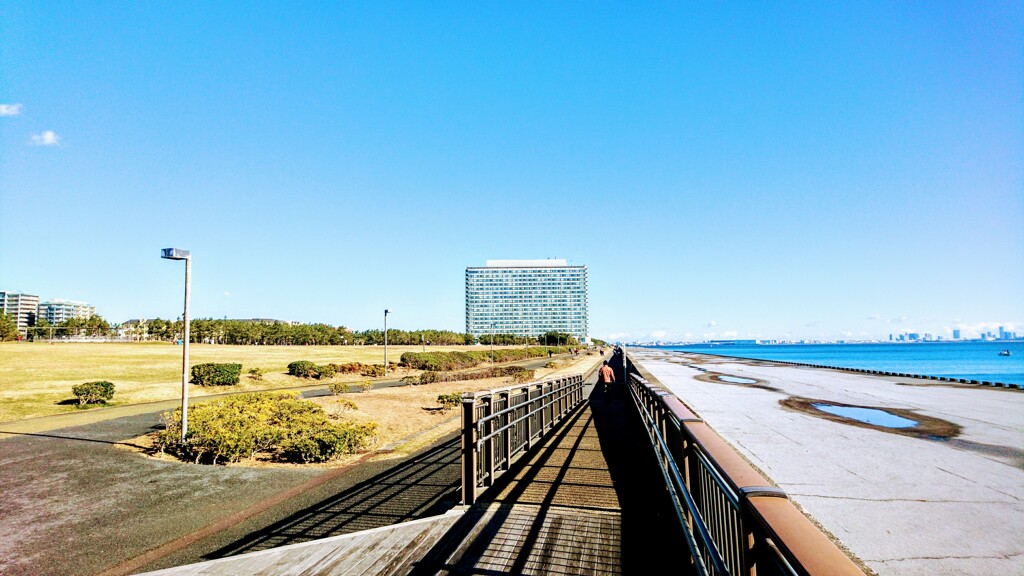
[[20, 306], [56, 311], [526, 298]]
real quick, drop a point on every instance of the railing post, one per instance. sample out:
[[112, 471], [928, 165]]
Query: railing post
[[529, 416], [469, 455], [506, 435], [489, 446]]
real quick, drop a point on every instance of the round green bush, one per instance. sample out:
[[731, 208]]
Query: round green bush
[[93, 392]]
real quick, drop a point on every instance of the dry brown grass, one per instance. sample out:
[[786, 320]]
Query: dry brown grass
[[36, 377], [408, 417]]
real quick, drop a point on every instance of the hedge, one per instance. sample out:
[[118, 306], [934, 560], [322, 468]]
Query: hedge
[[216, 374], [518, 374], [448, 361]]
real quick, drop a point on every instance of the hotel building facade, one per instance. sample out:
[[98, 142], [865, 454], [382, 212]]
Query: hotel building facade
[[56, 311], [527, 298], [20, 306]]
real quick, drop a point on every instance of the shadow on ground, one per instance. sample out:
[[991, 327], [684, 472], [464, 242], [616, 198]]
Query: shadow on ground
[[645, 541], [426, 485]]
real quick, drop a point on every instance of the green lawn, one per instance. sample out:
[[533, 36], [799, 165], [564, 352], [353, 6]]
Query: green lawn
[[36, 377]]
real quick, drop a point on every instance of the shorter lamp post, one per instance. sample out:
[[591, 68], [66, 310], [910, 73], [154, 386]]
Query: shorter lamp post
[[179, 254], [492, 343]]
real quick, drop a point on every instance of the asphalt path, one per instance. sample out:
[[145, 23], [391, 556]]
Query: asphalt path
[[75, 502]]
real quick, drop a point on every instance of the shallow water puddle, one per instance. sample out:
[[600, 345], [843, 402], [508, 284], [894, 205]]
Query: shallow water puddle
[[872, 416], [736, 379]]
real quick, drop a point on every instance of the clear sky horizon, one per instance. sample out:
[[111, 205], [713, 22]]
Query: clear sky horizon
[[809, 170]]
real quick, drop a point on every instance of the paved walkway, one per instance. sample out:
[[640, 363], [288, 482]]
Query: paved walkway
[[903, 505]]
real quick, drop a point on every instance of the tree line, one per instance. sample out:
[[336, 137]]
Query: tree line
[[268, 333]]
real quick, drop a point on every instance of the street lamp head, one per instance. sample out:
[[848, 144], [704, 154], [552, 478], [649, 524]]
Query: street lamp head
[[175, 254], [386, 312]]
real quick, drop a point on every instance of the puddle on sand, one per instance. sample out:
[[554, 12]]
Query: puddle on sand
[[871, 416], [736, 379]]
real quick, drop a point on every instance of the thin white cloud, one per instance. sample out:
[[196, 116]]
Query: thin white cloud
[[47, 138], [617, 335], [874, 316], [10, 109], [659, 334], [712, 324], [227, 293], [899, 320]]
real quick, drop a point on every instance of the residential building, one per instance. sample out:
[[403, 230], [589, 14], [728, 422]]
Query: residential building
[[527, 298], [20, 306], [56, 311]]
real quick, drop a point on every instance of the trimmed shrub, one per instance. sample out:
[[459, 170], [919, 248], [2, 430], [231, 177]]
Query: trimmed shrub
[[302, 369], [373, 370], [216, 374], [278, 424], [93, 392], [256, 374], [324, 372], [349, 368], [449, 401], [337, 388], [365, 386], [322, 443]]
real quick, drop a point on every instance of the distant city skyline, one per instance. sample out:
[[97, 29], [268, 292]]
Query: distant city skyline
[[775, 172]]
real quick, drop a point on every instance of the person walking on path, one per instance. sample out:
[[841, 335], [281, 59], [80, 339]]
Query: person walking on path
[[606, 376]]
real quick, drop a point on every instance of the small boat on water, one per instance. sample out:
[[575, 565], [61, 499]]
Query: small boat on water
[[1004, 353]]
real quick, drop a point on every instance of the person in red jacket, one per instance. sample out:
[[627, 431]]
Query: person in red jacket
[[606, 376]]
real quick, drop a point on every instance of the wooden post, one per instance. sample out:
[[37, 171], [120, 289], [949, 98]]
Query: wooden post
[[489, 445], [469, 455], [507, 434]]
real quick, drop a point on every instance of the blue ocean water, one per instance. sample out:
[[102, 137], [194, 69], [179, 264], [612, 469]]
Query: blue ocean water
[[973, 360]]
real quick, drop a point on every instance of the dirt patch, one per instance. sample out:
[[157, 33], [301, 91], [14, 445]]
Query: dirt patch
[[927, 427], [714, 378]]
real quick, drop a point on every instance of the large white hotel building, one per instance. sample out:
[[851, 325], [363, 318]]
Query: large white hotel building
[[526, 298]]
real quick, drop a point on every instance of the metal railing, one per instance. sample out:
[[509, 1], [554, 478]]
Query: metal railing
[[498, 425], [733, 521]]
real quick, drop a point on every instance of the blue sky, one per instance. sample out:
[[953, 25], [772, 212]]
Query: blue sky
[[813, 170]]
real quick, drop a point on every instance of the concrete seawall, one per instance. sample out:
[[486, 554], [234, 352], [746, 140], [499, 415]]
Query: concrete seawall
[[903, 505]]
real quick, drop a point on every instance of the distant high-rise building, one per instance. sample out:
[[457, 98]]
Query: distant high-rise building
[[1002, 332], [956, 333], [526, 298], [20, 306], [56, 311]]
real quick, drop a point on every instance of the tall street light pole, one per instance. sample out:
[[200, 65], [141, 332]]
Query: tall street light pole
[[386, 341], [492, 342], [179, 254]]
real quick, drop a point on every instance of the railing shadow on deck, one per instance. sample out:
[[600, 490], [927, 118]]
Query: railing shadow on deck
[[437, 559], [427, 485], [647, 534]]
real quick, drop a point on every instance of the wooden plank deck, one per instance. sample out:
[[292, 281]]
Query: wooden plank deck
[[559, 511]]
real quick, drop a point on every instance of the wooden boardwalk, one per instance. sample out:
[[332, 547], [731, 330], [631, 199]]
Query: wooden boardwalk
[[577, 504]]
